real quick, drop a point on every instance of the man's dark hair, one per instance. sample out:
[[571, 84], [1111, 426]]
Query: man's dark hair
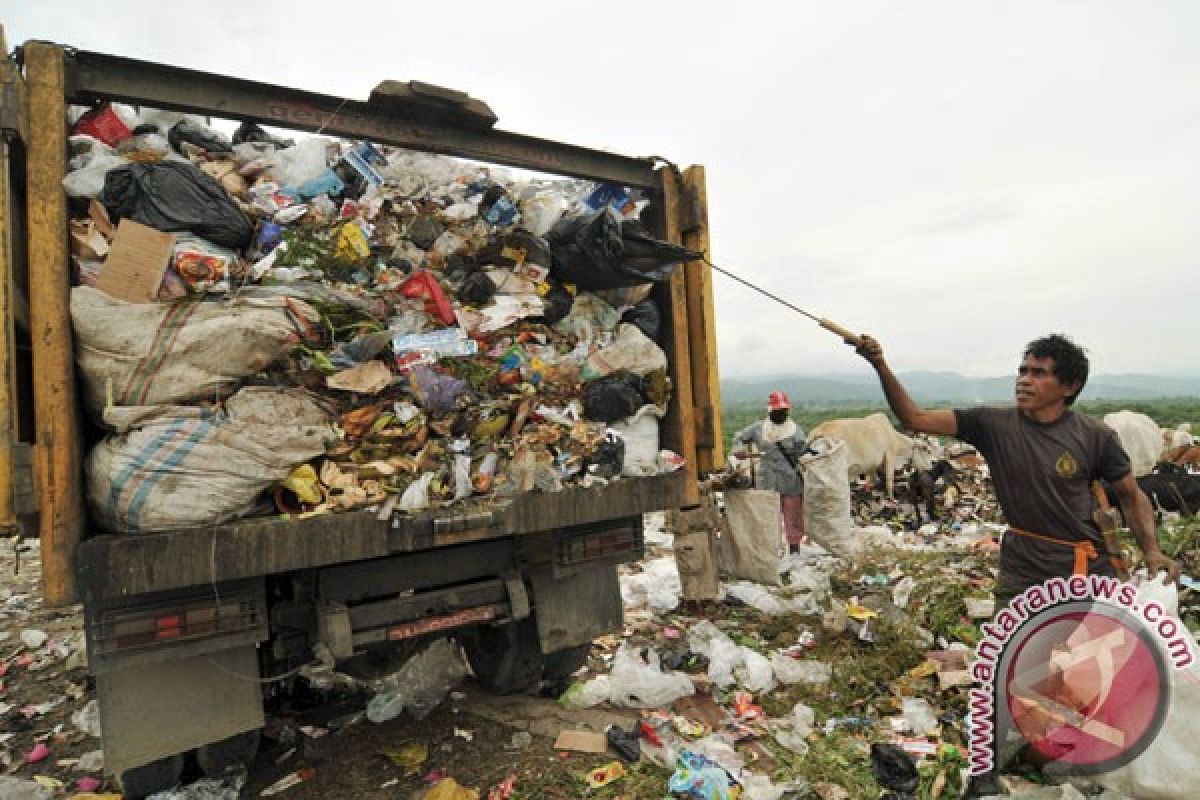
[[1070, 360]]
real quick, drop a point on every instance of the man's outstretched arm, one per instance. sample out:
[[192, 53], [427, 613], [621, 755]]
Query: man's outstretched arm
[[936, 421], [1139, 516]]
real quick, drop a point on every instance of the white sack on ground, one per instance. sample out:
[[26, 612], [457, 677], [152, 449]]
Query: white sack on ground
[[1168, 768], [755, 534], [149, 354], [827, 518], [657, 586], [638, 683], [175, 467]]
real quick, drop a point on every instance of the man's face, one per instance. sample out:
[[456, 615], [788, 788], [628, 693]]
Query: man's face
[[778, 415], [1038, 388]]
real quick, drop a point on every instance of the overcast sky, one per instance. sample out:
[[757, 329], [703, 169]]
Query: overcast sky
[[955, 177]]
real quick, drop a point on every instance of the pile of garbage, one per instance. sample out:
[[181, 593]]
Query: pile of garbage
[[269, 326]]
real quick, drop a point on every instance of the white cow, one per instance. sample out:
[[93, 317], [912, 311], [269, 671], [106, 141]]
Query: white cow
[[1140, 437], [1177, 437], [871, 444]]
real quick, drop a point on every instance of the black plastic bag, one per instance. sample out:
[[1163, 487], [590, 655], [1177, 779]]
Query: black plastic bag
[[176, 196], [608, 459], [613, 397], [557, 303], [598, 251], [646, 317], [250, 132], [192, 132], [894, 768], [504, 251], [477, 289]]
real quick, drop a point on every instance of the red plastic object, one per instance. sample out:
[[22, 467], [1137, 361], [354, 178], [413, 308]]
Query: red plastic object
[[422, 284], [103, 124]]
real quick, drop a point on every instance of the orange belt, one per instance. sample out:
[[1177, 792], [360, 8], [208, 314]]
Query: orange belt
[[1085, 550]]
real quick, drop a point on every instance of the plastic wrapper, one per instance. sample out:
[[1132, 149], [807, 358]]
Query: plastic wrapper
[[420, 685], [176, 196], [638, 683], [793, 730], [697, 777], [438, 394]]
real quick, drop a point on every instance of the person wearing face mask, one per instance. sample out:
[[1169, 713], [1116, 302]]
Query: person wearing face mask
[[779, 443]]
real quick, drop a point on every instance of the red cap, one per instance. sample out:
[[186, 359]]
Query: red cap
[[778, 400]]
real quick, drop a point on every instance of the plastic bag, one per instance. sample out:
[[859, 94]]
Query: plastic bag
[[724, 656], [87, 719], [755, 534], [540, 212], [657, 586], [105, 124], [438, 394], [755, 673], [613, 397], [420, 685], [19, 789], [631, 350], [793, 670], [640, 435], [646, 317], [586, 695], [176, 196], [792, 731], [90, 170], [757, 596], [599, 251], [698, 777], [635, 683], [416, 496], [827, 518], [306, 161], [919, 715], [202, 136], [1168, 766]]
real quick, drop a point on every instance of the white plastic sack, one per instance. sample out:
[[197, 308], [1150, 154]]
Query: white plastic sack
[[827, 518], [1168, 768], [586, 695], [755, 534], [640, 433], [635, 683], [149, 354], [177, 467], [420, 685], [631, 350]]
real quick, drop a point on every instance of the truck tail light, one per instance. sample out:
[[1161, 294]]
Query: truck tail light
[[168, 626]]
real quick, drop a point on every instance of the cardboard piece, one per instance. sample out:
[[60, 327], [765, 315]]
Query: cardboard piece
[[87, 243], [581, 742], [136, 263], [98, 215]]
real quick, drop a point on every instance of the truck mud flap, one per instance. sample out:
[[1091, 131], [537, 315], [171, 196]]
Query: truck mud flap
[[154, 710], [574, 606]]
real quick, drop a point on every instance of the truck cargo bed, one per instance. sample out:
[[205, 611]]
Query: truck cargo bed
[[113, 566]]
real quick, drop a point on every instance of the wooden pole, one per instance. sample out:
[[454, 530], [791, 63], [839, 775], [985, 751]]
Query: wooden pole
[[680, 423], [702, 329], [54, 395]]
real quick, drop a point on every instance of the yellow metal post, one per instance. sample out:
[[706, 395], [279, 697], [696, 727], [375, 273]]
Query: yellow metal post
[[680, 423], [702, 328], [54, 395]]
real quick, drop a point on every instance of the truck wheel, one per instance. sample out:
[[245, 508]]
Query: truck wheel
[[238, 750], [157, 776], [505, 659], [565, 663]]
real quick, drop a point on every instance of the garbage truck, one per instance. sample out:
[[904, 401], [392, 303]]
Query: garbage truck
[[190, 632]]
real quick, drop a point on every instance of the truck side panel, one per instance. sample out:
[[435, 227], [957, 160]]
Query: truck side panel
[[59, 434]]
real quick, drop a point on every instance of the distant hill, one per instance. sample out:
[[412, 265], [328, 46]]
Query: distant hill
[[940, 387]]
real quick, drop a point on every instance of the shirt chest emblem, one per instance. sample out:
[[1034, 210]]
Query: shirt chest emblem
[[1066, 466]]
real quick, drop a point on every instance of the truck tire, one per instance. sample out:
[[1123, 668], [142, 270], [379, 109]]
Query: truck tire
[[238, 750], [157, 776], [506, 659], [565, 663]]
